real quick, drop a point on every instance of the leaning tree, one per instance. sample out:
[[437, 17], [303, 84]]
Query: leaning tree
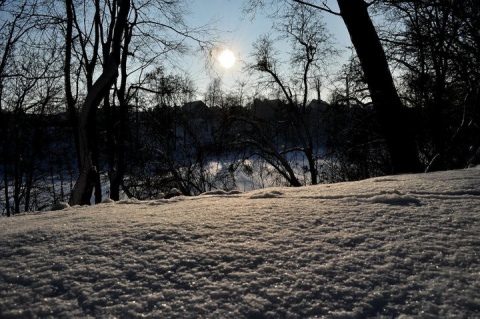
[[118, 41], [390, 111]]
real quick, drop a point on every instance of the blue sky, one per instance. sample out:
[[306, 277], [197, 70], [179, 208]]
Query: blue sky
[[238, 32]]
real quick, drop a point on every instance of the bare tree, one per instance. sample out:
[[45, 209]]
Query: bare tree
[[84, 186], [214, 93], [435, 46], [171, 138], [27, 86], [302, 27], [106, 44], [71, 98], [390, 111], [156, 31], [13, 27]]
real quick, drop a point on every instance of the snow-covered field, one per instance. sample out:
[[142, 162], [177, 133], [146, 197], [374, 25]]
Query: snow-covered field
[[403, 246]]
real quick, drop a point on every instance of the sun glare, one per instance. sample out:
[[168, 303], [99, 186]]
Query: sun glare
[[226, 59]]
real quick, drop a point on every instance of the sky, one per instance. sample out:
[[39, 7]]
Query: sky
[[403, 246], [239, 31]]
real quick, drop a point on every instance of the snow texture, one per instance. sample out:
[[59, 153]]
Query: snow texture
[[404, 246]]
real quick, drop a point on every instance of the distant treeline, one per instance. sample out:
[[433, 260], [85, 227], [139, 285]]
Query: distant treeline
[[173, 146]]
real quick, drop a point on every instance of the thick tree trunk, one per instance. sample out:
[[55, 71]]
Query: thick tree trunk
[[117, 149], [390, 111], [82, 191]]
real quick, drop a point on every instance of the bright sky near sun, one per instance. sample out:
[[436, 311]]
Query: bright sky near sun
[[227, 58], [237, 33]]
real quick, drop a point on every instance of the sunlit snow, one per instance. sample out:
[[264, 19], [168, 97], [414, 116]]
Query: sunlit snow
[[403, 246]]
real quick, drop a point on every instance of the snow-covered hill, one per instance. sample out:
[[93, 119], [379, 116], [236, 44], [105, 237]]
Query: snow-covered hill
[[403, 246]]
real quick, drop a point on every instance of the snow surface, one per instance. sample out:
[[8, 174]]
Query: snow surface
[[403, 246]]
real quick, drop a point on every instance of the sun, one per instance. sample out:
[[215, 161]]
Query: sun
[[226, 58]]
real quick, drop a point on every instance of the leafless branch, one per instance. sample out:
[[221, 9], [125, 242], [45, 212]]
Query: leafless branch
[[323, 7]]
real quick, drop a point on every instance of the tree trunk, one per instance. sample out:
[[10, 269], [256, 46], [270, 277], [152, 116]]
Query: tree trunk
[[311, 163], [17, 174], [118, 135], [110, 123], [82, 191], [71, 102], [4, 131], [390, 111]]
